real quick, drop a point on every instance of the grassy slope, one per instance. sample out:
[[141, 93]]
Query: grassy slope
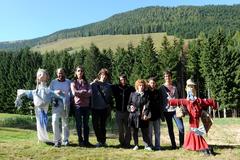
[[102, 42], [22, 144]]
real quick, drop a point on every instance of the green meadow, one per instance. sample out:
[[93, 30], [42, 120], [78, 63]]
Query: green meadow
[[18, 141], [102, 42]]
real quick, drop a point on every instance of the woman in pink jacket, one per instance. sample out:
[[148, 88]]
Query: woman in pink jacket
[[82, 92]]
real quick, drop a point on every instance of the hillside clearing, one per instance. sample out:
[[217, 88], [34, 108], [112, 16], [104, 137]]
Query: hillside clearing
[[102, 42]]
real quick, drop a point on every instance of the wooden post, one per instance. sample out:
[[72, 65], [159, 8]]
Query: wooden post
[[224, 113]]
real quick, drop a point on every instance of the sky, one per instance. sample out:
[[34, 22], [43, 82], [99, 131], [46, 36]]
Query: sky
[[28, 19]]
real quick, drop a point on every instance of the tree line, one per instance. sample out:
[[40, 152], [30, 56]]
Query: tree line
[[181, 21], [212, 60]]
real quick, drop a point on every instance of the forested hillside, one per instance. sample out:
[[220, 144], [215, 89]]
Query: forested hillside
[[182, 21]]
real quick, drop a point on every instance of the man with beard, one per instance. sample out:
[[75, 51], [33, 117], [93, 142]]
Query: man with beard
[[60, 109], [121, 94]]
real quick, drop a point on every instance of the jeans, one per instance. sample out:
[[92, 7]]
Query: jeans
[[82, 118], [123, 129], [179, 122], [155, 125]]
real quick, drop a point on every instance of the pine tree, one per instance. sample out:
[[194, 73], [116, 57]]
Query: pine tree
[[122, 63], [78, 57], [219, 62], [92, 63], [193, 66], [145, 63]]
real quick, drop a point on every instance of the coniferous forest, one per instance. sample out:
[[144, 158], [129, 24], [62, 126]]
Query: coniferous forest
[[212, 60]]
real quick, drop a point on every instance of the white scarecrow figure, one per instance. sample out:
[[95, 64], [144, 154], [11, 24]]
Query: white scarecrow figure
[[42, 97]]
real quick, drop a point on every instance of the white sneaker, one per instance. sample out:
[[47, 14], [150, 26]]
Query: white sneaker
[[148, 148], [65, 143], [135, 148]]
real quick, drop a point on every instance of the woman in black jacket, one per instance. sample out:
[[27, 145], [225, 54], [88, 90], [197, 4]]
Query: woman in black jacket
[[138, 116]]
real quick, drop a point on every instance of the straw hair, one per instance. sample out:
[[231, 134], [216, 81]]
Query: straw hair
[[39, 72]]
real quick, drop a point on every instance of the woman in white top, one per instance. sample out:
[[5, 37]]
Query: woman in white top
[[169, 91]]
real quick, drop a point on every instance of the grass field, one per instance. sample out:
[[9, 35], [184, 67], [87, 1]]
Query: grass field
[[102, 42], [16, 143]]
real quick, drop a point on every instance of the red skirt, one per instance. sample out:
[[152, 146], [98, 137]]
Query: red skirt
[[194, 142]]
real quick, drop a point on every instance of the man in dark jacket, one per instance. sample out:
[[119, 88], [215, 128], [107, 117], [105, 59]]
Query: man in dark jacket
[[121, 94], [156, 112]]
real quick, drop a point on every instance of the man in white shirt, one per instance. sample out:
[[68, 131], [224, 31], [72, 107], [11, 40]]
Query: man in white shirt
[[60, 108]]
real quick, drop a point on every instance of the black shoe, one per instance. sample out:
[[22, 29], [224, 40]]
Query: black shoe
[[157, 148], [101, 145], [211, 151], [57, 144], [174, 147], [127, 146], [81, 144], [88, 144], [206, 152]]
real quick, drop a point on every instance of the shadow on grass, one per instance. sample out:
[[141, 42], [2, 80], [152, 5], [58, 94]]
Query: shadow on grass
[[227, 146]]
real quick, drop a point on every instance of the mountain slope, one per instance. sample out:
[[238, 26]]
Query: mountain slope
[[102, 42], [182, 21]]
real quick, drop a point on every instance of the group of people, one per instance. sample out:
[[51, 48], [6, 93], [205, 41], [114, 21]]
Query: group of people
[[143, 106]]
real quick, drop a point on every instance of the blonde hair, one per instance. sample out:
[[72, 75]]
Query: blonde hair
[[140, 81]]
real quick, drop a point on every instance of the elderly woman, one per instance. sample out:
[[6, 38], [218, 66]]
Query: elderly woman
[[195, 106], [138, 107], [42, 97]]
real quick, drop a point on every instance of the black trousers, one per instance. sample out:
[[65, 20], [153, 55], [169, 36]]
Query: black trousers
[[145, 136], [99, 118]]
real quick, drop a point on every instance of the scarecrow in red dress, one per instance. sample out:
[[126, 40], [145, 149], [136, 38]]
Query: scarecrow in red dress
[[196, 109]]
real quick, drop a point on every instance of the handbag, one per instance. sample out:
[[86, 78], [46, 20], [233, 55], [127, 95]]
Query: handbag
[[147, 115], [206, 120], [181, 111]]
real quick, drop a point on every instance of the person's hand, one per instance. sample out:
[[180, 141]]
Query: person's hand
[[144, 117], [94, 81], [59, 92], [18, 102], [84, 92], [132, 108]]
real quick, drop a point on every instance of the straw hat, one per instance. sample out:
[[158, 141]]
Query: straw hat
[[190, 82]]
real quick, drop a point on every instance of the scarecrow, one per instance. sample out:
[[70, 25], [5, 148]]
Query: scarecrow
[[196, 108], [42, 96]]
